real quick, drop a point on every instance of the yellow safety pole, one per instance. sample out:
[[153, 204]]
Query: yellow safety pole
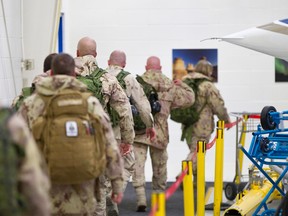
[[218, 177], [221, 124], [240, 154], [158, 199], [201, 148], [188, 193], [162, 204]]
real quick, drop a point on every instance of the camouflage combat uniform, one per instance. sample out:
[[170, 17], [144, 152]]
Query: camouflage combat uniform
[[117, 99], [171, 96], [112, 94], [76, 199], [135, 92], [33, 182], [39, 77], [207, 94]]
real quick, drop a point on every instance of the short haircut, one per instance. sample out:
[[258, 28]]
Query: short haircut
[[63, 64], [48, 62]]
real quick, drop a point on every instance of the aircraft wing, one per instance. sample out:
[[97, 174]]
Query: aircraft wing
[[271, 39]]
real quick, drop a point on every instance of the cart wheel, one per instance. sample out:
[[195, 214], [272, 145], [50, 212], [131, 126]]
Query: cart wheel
[[266, 120], [230, 191], [264, 145]]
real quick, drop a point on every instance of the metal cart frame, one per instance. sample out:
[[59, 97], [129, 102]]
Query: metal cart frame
[[249, 122], [269, 146]]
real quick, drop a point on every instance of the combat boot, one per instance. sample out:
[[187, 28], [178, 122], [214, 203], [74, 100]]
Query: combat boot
[[111, 207], [141, 199]]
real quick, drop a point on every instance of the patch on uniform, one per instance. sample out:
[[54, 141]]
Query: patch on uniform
[[71, 129]]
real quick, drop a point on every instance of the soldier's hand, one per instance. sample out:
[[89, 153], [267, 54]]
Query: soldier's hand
[[125, 148], [177, 81], [228, 125], [117, 198], [151, 133]]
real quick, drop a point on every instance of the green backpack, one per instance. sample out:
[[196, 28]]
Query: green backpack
[[26, 92], [188, 116], [138, 123], [11, 201], [150, 93], [94, 85]]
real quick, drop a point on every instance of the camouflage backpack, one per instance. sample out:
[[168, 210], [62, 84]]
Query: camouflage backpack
[[189, 116], [151, 94], [94, 85], [26, 92], [70, 138], [11, 201]]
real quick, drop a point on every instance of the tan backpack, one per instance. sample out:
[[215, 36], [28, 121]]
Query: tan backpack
[[70, 138]]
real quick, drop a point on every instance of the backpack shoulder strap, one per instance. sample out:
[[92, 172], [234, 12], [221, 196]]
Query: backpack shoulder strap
[[194, 83], [140, 80], [93, 83], [197, 83], [96, 74], [27, 91], [121, 76], [147, 87]]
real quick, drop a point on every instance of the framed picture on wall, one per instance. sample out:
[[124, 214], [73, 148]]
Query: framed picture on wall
[[281, 70], [184, 61]]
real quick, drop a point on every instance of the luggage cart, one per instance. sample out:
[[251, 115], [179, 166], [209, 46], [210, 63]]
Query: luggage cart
[[269, 146], [247, 122]]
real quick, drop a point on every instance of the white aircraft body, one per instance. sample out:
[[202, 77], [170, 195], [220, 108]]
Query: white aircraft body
[[271, 39]]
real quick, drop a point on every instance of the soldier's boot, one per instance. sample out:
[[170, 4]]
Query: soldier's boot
[[111, 207], [141, 199]]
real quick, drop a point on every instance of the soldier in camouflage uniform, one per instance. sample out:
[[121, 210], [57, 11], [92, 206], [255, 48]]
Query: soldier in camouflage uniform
[[209, 96], [171, 95], [33, 182], [76, 199], [47, 72], [46, 68], [134, 91], [113, 96]]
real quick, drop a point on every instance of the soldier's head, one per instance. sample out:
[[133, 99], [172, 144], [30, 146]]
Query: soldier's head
[[153, 63], [117, 57], [63, 64], [48, 62], [86, 46], [205, 67]]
